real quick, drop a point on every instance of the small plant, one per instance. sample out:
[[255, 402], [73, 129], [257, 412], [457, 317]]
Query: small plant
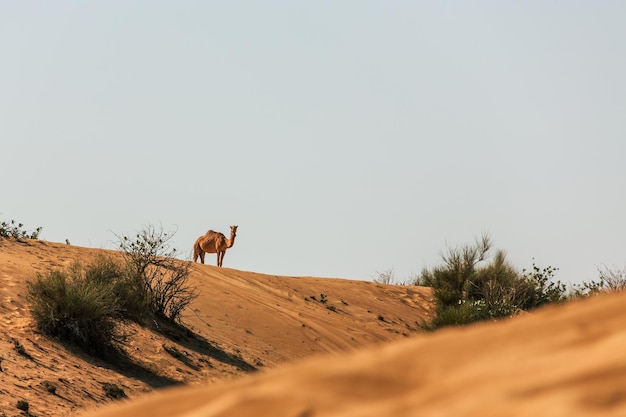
[[22, 405], [19, 348], [323, 298], [113, 391], [78, 306], [332, 308], [468, 287], [612, 279], [543, 289], [50, 387], [15, 230], [152, 263], [386, 277]]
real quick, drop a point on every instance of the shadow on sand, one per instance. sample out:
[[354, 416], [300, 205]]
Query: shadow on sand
[[118, 361], [182, 335]]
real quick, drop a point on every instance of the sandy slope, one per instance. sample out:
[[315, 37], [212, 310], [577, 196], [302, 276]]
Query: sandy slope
[[242, 322], [568, 360]]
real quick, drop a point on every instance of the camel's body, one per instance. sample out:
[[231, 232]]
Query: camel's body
[[214, 242]]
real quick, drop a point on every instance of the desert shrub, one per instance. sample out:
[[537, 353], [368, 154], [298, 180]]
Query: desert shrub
[[22, 405], [464, 312], [16, 230], [82, 304], [19, 348], [470, 287], [386, 277], [156, 273], [77, 306], [127, 287], [543, 290], [451, 280], [113, 391], [50, 387], [610, 280]]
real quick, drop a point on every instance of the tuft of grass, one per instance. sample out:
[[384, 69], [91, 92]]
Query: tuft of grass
[[50, 387], [19, 348], [113, 391], [77, 306], [22, 405]]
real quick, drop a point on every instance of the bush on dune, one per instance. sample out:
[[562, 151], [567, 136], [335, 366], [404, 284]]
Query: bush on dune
[[76, 307], [83, 304], [471, 287]]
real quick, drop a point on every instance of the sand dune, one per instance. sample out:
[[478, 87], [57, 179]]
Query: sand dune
[[242, 323], [267, 346], [568, 360]]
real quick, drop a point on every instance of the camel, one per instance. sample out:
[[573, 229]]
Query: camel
[[214, 242]]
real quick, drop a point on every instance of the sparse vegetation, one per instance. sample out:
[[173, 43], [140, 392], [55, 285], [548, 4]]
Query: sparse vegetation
[[152, 265], [17, 231], [386, 277], [77, 306], [50, 387], [610, 280], [19, 348], [113, 391], [83, 304], [22, 405], [468, 288]]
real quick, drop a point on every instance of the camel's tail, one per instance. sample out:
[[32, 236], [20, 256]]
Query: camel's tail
[[196, 251]]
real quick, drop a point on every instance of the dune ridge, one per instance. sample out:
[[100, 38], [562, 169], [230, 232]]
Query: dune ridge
[[242, 322], [566, 360]]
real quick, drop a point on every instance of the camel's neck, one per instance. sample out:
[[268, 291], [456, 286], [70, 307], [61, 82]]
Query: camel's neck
[[230, 242]]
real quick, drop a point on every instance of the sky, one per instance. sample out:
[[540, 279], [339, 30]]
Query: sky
[[344, 138]]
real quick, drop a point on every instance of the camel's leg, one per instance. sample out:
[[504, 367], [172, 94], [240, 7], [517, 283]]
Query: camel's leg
[[218, 258], [201, 256], [222, 258]]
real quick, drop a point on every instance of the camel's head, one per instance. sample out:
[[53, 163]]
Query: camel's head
[[233, 229]]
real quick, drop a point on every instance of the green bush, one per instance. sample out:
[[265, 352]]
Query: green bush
[[77, 306], [83, 304], [15, 230], [465, 312], [469, 288], [542, 289], [130, 294]]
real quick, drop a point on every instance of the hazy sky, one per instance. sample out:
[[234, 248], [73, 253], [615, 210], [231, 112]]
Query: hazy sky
[[344, 138]]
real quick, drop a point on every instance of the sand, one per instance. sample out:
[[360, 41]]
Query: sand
[[267, 346], [242, 323]]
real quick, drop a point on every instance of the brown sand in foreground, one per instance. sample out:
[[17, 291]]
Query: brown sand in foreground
[[567, 360], [242, 322]]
